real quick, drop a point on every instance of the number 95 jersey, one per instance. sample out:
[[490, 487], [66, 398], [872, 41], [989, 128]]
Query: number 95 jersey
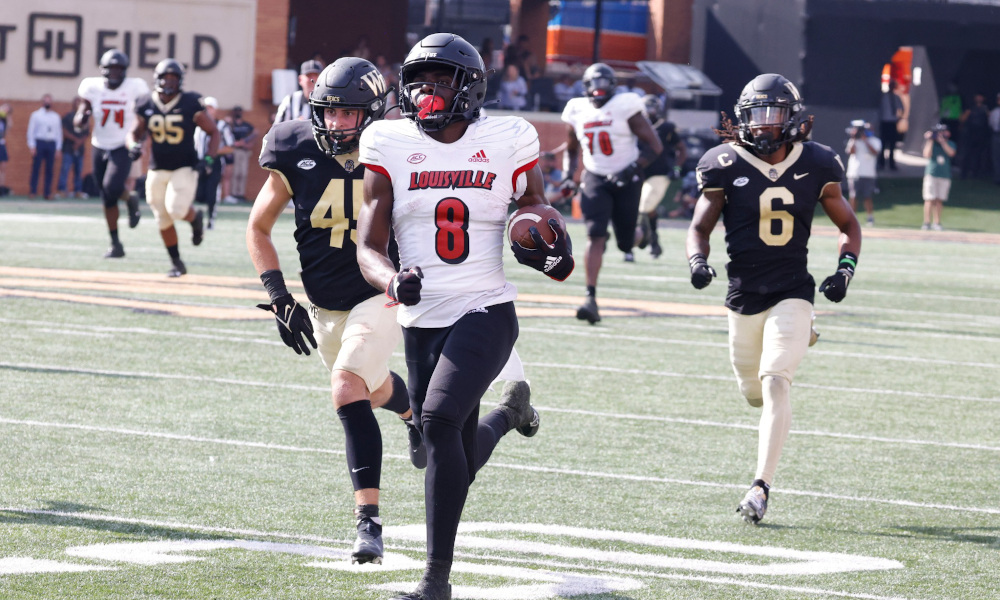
[[450, 205], [327, 197], [768, 219]]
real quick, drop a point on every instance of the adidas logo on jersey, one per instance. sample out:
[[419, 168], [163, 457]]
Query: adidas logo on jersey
[[479, 157]]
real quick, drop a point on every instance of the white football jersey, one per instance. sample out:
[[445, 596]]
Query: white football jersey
[[113, 111], [607, 140], [450, 204]]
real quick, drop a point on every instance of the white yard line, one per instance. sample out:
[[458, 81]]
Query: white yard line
[[500, 465]]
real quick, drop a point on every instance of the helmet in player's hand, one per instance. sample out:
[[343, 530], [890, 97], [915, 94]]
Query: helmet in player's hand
[[163, 83], [351, 83], [654, 108], [114, 64], [770, 113], [419, 100], [599, 83]]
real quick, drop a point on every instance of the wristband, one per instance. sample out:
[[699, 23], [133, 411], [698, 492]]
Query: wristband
[[848, 262], [274, 283]]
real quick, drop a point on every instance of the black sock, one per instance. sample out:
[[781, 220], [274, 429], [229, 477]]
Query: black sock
[[114, 236], [446, 486], [368, 510], [764, 486], [174, 252], [591, 291], [399, 401], [364, 444], [492, 426]]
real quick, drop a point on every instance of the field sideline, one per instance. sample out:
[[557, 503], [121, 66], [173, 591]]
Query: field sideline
[[159, 441]]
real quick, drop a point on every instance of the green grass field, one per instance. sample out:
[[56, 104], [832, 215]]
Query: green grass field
[[158, 441]]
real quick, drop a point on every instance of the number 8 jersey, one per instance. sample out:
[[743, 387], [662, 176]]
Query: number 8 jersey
[[768, 218], [450, 205]]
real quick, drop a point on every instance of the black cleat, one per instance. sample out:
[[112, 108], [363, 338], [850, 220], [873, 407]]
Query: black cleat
[[198, 227], [655, 251], [178, 269], [643, 236], [418, 452], [588, 311], [427, 591], [515, 403], [115, 250], [133, 210], [368, 547]]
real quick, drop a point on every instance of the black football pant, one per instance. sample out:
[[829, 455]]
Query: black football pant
[[208, 187], [111, 169], [602, 202], [450, 368]]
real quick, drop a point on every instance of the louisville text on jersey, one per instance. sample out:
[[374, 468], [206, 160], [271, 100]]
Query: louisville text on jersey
[[451, 179]]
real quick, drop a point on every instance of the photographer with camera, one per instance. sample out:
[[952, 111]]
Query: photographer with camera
[[862, 155], [939, 150]]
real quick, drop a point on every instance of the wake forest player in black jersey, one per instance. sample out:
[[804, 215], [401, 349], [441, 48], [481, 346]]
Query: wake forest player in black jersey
[[315, 164], [171, 116], [765, 183]]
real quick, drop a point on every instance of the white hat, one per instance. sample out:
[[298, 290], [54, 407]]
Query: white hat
[[211, 101]]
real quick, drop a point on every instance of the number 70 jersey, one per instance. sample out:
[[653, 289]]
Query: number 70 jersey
[[450, 206], [112, 111]]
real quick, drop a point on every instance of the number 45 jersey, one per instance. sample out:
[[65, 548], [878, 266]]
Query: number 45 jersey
[[450, 205], [768, 219], [327, 197]]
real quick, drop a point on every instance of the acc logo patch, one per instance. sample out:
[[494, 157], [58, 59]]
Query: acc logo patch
[[741, 181], [306, 163], [416, 158]]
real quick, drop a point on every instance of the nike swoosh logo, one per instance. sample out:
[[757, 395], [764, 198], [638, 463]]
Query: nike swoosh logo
[[798, 177], [359, 469]]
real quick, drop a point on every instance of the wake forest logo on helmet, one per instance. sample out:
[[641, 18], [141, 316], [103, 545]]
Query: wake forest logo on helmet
[[375, 81]]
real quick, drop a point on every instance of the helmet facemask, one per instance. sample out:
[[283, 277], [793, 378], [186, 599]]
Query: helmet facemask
[[350, 83], [334, 142], [418, 105], [114, 75], [599, 90]]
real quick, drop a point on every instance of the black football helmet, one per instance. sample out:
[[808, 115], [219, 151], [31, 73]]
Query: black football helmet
[[347, 83], [168, 66], [449, 51], [654, 108], [770, 99], [113, 64], [599, 83]]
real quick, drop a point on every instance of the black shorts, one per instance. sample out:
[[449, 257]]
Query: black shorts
[[111, 168], [601, 202]]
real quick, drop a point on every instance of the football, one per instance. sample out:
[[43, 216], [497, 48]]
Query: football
[[536, 215]]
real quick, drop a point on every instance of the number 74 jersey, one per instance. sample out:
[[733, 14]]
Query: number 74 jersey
[[768, 216], [450, 205], [112, 111]]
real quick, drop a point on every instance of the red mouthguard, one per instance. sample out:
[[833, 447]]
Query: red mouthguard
[[429, 104]]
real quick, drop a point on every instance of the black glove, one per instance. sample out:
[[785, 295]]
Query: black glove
[[626, 176], [404, 287], [135, 152], [701, 272], [834, 287], [556, 260], [293, 323], [206, 165]]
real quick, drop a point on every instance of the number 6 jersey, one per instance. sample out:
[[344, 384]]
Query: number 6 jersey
[[450, 204], [768, 218], [327, 197]]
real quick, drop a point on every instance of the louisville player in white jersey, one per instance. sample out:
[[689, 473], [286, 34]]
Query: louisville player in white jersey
[[608, 126], [764, 182], [442, 179], [111, 99]]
